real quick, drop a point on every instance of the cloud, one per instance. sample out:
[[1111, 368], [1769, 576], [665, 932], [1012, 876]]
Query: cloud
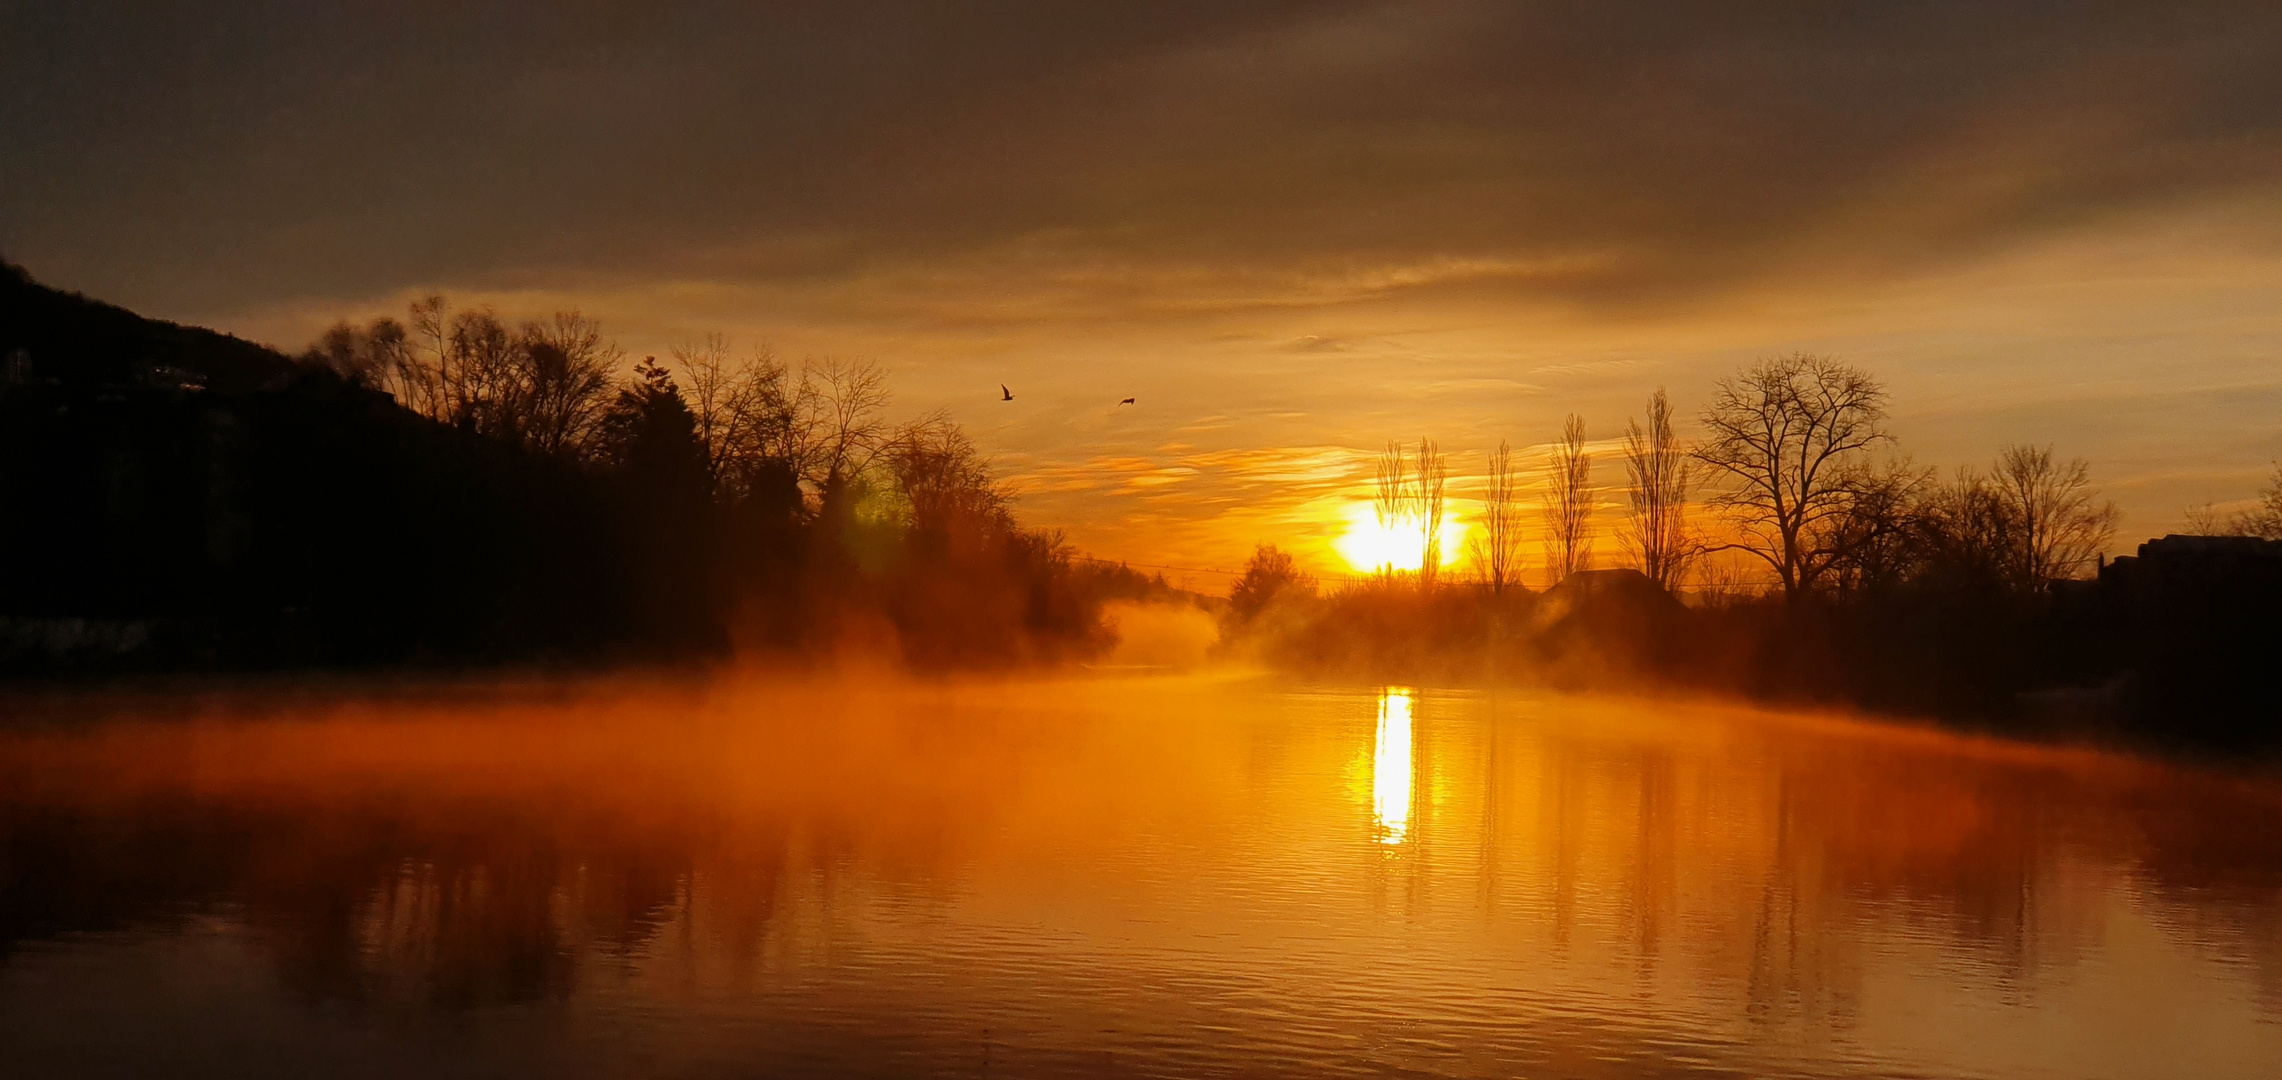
[[1031, 160], [1314, 226]]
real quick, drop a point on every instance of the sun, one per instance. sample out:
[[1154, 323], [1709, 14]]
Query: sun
[[1370, 546]]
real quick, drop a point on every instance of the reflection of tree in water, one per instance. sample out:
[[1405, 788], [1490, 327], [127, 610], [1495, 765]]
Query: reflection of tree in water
[[460, 850], [1772, 876], [457, 906], [1650, 901], [2223, 884], [63, 871], [1776, 869]]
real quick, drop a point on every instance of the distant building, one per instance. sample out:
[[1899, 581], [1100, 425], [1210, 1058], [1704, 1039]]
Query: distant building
[[2197, 622], [2178, 569]]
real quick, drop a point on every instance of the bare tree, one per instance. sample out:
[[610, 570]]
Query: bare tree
[[1497, 551], [1963, 536], [352, 354], [708, 382], [1656, 468], [1568, 503], [383, 355], [2263, 520], [745, 416], [946, 483], [749, 419], [2205, 520], [1430, 476], [1722, 582], [2059, 522], [765, 435], [765, 429], [1791, 437], [770, 438], [486, 376], [841, 426], [1878, 536], [567, 368], [544, 385], [426, 375], [1392, 504]]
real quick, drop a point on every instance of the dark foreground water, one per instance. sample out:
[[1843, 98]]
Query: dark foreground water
[[1150, 877]]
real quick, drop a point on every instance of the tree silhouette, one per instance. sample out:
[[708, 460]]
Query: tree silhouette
[[947, 485], [1657, 470], [2059, 523], [649, 436], [841, 411], [1790, 437], [1497, 552], [1427, 486], [1569, 503], [566, 375], [1270, 574], [1392, 501], [2263, 520], [543, 385]]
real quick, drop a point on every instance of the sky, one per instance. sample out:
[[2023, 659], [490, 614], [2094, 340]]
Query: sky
[[1291, 232]]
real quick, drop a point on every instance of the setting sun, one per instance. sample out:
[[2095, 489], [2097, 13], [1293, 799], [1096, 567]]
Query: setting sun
[[1371, 545]]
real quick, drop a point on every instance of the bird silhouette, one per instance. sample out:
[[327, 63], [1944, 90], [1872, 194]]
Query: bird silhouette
[[1008, 394], [1127, 401]]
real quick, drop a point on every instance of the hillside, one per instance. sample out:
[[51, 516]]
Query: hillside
[[172, 495], [87, 343]]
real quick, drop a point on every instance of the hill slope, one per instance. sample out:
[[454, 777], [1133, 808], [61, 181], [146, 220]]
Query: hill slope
[[174, 495]]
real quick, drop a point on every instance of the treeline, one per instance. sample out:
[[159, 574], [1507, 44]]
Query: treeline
[[1792, 552], [2262, 519], [452, 488]]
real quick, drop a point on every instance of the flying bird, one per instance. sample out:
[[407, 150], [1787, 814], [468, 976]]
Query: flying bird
[[1127, 401], [1008, 395]]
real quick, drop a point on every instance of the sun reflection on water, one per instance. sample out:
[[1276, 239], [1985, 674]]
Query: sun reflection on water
[[855, 875], [1391, 767]]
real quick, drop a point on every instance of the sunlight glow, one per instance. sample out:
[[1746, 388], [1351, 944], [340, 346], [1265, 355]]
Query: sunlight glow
[[1391, 767], [1370, 546]]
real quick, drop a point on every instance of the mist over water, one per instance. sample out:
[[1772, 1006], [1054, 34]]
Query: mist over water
[[1175, 875]]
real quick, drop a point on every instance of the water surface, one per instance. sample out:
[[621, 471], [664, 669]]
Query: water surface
[[1169, 877]]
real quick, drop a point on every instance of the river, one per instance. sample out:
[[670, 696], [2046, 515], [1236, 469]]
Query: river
[[1148, 876]]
